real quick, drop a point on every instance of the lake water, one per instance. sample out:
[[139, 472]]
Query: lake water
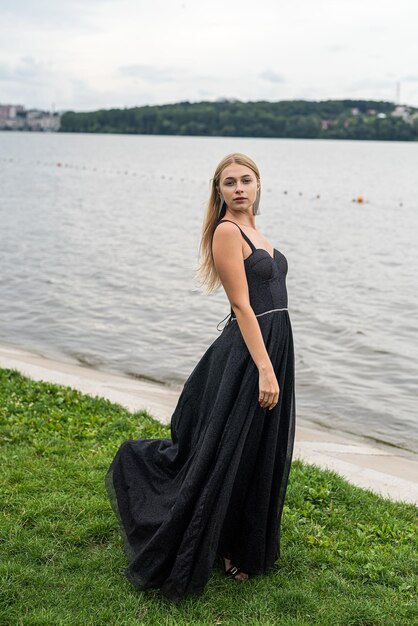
[[99, 243]]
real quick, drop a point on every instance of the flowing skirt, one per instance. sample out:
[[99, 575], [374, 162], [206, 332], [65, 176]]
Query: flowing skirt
[[219, 483]]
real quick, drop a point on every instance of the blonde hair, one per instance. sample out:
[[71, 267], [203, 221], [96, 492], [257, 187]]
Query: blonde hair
[[206, 271]]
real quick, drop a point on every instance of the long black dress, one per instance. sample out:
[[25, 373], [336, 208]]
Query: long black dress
[[219, 483]]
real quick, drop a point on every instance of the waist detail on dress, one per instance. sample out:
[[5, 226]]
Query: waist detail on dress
[[233, 317]]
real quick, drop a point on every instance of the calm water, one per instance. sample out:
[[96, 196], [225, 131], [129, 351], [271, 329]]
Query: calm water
[[98, 258]]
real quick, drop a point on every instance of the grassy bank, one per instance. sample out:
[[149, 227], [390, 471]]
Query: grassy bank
[[348, 556]]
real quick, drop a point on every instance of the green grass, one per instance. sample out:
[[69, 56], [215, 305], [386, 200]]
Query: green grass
[[348, 557]]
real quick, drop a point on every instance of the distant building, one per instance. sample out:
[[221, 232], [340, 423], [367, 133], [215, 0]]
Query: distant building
[[404, 113], [9, 111], [326, 123], [16, 117], [34, 114]]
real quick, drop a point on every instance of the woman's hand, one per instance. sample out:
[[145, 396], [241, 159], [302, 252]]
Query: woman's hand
[[268, 394]]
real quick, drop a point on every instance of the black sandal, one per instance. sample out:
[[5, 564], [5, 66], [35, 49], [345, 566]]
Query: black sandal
[[232, 571]]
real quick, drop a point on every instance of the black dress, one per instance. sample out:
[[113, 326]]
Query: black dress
[[219, 483]]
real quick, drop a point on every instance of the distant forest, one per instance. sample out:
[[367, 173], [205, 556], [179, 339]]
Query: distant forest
[[328, 119]]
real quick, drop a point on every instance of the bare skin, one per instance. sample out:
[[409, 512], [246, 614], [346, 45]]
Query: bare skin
[[238, 185], [240, 576]]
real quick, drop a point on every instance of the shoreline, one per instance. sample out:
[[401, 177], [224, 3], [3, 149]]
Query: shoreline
[[384, 468]]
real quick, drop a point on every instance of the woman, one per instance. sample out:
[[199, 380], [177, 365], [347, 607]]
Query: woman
[[217, 486]]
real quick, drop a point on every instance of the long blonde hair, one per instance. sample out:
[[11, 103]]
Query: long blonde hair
[[206, 271]]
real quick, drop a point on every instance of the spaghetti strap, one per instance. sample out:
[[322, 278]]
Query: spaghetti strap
[[250, 243]]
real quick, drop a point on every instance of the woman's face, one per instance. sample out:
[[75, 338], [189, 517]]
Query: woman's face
[[238, 184]]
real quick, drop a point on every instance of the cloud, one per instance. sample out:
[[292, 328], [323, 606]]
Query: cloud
[[150, 74], [60, 15], [205, 93], [335, 47], [371, 83], [272, 77], [28, 70]]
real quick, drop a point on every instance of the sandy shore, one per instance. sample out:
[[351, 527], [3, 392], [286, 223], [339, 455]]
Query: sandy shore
[[384, 469]]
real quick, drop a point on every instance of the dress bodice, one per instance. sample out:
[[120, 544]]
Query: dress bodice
[[266, 277]]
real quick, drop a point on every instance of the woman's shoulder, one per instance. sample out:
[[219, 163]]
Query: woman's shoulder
[[226, 231], [227, 226], [226, 237]]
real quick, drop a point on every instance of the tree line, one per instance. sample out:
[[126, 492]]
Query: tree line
[[329, 119]]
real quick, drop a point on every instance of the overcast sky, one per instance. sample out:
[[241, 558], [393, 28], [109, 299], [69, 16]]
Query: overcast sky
[[90, 54]]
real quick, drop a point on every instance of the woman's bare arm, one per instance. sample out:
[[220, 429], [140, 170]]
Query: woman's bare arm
[[227, 254]]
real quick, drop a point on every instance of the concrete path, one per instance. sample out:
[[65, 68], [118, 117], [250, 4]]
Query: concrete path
[[386, 470]]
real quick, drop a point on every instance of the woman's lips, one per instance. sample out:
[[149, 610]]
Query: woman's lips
[[240, 199]]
